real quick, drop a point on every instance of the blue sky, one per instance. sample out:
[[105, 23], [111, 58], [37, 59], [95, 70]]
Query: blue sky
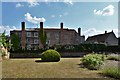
[[92, 17]]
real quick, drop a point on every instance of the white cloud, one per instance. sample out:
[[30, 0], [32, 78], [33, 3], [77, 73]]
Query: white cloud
[[68, 2], [107, 11], [64, 14], [34, 19], [7, 29], [93, 31], [64, 1], [32, 3], [19, 5]]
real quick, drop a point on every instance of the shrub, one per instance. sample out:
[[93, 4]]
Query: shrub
[[50, 56], [112, 72], [114, 57], [93, 61]]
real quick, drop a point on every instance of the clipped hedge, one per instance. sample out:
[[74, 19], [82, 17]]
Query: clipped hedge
[[50, 56], [93, 61]]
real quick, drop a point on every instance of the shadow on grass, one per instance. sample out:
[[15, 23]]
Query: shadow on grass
[[81, 65], [40, 61]]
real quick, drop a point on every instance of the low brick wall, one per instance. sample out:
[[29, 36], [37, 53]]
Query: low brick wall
[[36, 55], [71, 54], [24, 55]]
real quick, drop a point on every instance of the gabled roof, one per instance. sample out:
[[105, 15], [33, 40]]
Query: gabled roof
[[100, 37]]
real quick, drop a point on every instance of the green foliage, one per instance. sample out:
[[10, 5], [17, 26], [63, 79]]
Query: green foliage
[[42, 37], [82, 48], [113, 57], [93, 61], [15, 40], [4, 40], [1, 53], [50, 56], [112, 72]]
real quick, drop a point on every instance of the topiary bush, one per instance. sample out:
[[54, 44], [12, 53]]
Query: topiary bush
[[50, 56], [93, 61]]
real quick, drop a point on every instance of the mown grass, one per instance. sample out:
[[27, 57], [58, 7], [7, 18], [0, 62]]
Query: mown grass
[[112, 72], [33, 68], [111, 69], [28, 68]]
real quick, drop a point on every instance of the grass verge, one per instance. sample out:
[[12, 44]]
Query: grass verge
[[112, 72]]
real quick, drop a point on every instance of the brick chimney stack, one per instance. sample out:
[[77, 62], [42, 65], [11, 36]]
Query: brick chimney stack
[[79, 31], [41, 25], [105, 32], [23, 26], [61, 25], [61, 33], [23, 36]]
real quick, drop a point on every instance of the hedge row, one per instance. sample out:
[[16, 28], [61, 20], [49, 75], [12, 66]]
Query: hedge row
[[88, 48], [76, 48]]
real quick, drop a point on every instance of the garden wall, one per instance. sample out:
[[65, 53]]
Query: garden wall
[[36, 55], [25, 55], [72, 54]]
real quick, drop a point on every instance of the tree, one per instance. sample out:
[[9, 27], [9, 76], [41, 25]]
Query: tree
[[4, 41], [4, 44], [15, 40], [42, 37]]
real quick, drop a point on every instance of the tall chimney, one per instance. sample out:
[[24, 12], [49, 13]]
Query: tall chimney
[[23, 36], [61, 25], [79, 31], [105, 32], [41, 25], [23, 25]]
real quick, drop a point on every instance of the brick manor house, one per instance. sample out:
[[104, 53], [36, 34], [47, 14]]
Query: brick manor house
[[55, 36]]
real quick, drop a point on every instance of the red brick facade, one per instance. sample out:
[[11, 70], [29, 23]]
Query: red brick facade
[[61, 36]]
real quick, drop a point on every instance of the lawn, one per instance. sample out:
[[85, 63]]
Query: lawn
[[29, 68]]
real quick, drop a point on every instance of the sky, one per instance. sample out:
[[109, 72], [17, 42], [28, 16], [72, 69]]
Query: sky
[[92, 17]]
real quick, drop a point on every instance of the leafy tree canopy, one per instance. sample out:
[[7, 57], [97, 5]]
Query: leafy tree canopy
[[42, 37], [15, 40]]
